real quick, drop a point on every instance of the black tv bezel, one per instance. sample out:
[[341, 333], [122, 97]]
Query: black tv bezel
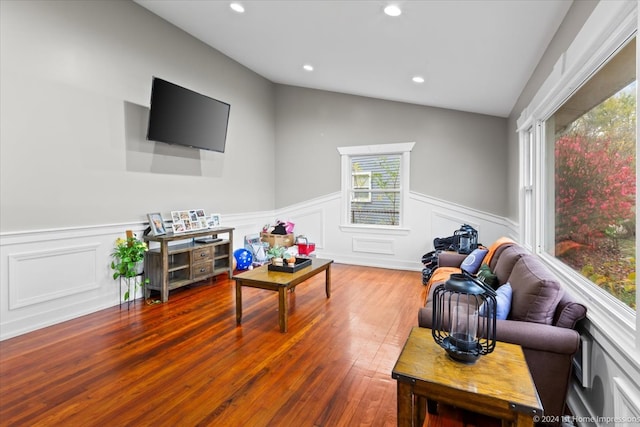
[[154, 136]]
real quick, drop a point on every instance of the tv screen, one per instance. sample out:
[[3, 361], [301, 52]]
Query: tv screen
[[182, 116]]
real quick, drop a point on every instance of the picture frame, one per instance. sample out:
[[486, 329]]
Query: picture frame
[[156, 223], [188, 220], [214, 220]]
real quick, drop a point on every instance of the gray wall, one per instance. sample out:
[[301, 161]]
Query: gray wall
[[75, 84], [75, 79], [571, 25], [458, 157]]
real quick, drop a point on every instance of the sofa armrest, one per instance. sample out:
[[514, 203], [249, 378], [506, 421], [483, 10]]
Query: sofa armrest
[[569, 312], [538, 336], [450, 259], [525, 334]]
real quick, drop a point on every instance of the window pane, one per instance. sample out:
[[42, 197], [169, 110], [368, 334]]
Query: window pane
[[382, 210], [381, 205], [595, 183], [361, 181]]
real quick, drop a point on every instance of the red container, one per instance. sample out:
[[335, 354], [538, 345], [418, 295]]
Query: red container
[[305, 248]]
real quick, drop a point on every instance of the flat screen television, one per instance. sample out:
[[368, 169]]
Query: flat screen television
[[182, 116]]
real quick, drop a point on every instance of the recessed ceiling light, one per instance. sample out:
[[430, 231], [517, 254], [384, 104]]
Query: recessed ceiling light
[[237, 7], [418, 79], [393, 10], [308, 67]]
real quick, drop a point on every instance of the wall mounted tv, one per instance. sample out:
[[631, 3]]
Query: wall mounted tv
[[182, 116]]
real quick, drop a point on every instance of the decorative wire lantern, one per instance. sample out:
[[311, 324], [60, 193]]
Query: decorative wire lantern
[[467, 239], [464, 317]]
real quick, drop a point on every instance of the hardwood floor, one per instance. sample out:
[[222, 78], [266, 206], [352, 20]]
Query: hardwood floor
[[186, 363]]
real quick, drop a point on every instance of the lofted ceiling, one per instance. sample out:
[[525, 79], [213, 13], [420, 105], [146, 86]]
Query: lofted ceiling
[[474, 55]]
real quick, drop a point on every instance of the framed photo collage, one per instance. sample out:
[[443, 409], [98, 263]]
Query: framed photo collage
[[184, 221]]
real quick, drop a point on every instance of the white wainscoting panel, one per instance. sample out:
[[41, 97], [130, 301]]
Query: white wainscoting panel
[[626, 403], [50, 276], [373, 246], [39, 276]]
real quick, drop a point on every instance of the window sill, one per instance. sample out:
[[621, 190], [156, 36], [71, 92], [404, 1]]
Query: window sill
[[375, 229]]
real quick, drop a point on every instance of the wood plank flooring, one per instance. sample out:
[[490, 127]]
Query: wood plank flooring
[[185, 363]]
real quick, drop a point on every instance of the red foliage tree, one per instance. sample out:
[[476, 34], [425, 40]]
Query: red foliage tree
[[595, 188]]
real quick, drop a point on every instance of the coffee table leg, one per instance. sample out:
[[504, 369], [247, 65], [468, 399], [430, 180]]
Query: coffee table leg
[[282, 308], [238, 302], [328, 281]]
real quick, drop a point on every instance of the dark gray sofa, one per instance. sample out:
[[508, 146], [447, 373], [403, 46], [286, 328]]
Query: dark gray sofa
[[542, 319]]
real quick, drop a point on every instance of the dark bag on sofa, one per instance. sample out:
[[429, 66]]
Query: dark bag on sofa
[[446, 243], [430, 262]]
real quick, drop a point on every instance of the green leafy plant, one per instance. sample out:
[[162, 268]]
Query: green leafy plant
[[276, 252], [127, 256]]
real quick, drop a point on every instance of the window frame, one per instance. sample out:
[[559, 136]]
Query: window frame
[[346, 153], [609, 28]]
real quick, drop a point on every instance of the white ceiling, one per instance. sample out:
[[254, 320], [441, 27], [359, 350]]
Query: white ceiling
[[475, 55]]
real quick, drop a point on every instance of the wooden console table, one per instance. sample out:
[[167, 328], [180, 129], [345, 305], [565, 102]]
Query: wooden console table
[[172, 266], [499, 384]]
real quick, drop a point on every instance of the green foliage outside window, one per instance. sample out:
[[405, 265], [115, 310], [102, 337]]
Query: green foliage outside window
[[595, 197]]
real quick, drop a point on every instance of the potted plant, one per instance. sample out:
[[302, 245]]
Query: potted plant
[[128, 259], [276, 253]]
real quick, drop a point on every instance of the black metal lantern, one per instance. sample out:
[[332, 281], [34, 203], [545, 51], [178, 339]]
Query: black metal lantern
[[464, 317], [467, 239]]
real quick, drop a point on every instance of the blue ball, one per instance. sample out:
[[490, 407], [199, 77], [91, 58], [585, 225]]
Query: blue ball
[[243, 258]]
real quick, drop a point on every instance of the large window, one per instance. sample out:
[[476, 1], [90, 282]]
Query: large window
[[591, 178], [375, 183]]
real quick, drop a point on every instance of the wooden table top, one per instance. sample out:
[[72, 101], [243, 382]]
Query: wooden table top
[[264, 275], [500, 375]]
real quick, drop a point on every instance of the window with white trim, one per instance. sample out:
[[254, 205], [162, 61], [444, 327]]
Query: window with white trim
[[375, 184], [577, 168], [591, 179]]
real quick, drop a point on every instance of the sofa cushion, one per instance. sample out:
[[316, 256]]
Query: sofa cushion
[[503, 302], [536, 292], [487, 277], [472, 262], [495, 248], [506, 260]]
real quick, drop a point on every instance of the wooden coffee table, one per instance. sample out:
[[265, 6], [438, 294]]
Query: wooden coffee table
[[499, 384], [281, 282]]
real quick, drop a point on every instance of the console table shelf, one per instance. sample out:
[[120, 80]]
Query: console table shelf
[[170, 267]]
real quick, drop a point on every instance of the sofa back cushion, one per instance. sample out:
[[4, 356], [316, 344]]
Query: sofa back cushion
[[497, 252], [506, 260], [536, 292]]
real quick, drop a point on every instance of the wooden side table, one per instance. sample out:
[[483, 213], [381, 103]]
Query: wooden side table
[[499, 384]]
